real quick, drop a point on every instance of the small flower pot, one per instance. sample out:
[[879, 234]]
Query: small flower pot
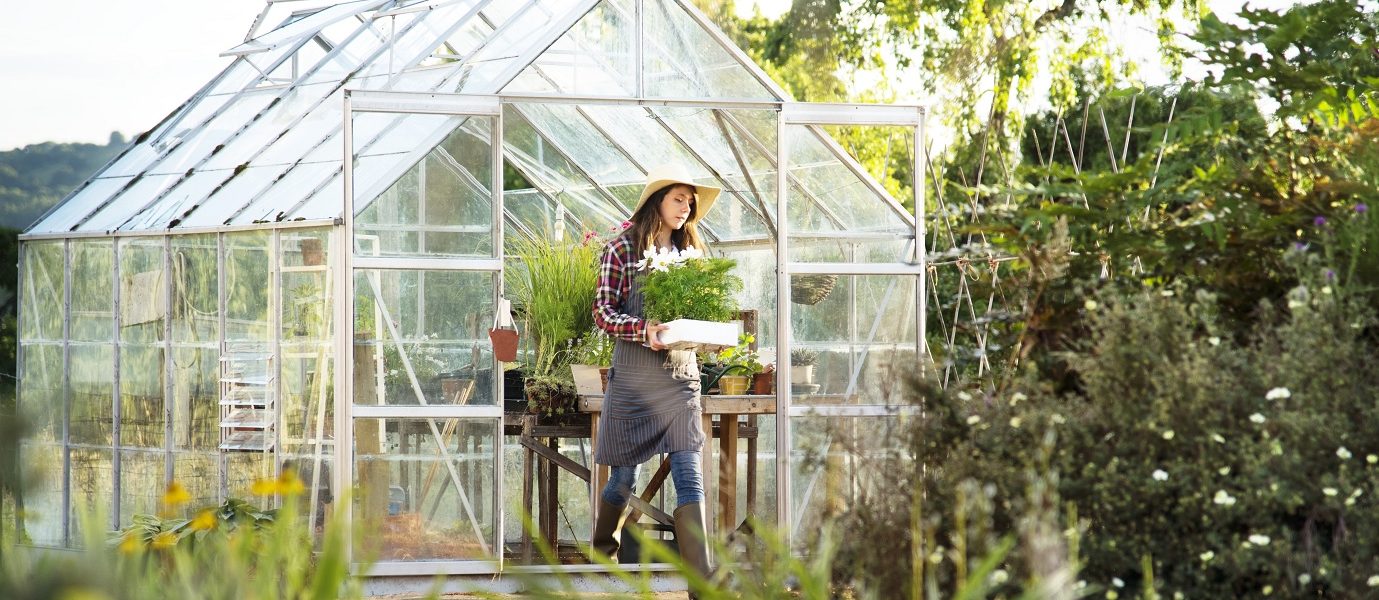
[[312, 254], [764, 384], [733, 385], [802, 375]]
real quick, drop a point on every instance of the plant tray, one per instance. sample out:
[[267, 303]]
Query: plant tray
[[688, 334]]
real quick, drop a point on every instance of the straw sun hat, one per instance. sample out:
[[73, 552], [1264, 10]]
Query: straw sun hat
[[665, 175]]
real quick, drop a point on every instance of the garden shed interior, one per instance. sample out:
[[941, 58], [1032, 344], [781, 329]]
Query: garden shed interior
[[298, 268]]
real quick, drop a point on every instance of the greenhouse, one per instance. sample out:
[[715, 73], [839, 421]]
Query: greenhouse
[[298, 269]]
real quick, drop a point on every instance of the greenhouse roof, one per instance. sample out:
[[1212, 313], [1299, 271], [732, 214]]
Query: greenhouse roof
[[262, 142]]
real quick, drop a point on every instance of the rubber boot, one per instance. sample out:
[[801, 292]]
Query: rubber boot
[[689, 537], [607, 535]]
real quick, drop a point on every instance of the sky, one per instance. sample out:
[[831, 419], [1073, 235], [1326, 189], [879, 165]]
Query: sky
[[76, 70]]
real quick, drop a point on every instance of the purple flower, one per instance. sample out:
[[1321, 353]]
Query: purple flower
[[1299, 246], [1319, 221], [1330, 275], [1361, 208]]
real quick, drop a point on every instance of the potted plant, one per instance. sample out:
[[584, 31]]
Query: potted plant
[[737, 365], [802, 361], [693, 294], [590, 357], [553, 287]]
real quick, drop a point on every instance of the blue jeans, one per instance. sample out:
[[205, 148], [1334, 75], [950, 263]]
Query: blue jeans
[[686, 470]]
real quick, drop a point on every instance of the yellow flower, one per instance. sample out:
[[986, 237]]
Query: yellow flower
[[204, 520], [286, 484], [176, 495], [131, 544], [163, 540]]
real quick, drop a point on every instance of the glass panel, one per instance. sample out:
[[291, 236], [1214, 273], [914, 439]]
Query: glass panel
[[299, 183], [199, 473], [634, 127], [683, 61], [307, 408], [579, 140], [442, 318], [427, 486], [442, 205], [142, 418], [242, 469], [248, 285], [92, 374], [597, 56], [326, 202], [298, 27], [93, 291], [40, 314], [574, 516], [143, 480], [40, 391], [834, 462], [143, 290], [41, 520], [195, 409], [129, 203], [74, 209], [841, 197], [93, 486], [861, 330], [548, 168], [195, 311]]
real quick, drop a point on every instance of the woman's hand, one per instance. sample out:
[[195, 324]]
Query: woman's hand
[[653, 335]]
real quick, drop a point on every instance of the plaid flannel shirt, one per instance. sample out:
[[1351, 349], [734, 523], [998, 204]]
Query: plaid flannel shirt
[[616, 269]]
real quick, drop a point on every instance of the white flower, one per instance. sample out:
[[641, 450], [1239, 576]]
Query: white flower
[[1278, 393], [1089, 305], [1257, 418], [1166, 293], [1168, 435], [1058, 419], [1223, 498], [1017, 398], [1213, 340], [1207, 556], [964, 396], [973, 420], [1371, 459], [1268, 589], [1116, 581], [1160, 475], [1343, 453], [1330, 491], [1326, 289], [1224, 471], [1218, 438], [1373, 581], [1015, 422], [1259, 540], [1305, 579], [999, 576]]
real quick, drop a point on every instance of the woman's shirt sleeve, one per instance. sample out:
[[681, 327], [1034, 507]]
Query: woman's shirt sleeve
[[615, 278]]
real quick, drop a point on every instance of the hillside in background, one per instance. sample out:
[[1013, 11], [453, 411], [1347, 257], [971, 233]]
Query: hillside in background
[[37, 176]]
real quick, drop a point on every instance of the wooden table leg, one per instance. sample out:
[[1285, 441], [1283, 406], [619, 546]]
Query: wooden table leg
[[708, 476], [727, 472], [752, 467], [600, 472], [551, 502]]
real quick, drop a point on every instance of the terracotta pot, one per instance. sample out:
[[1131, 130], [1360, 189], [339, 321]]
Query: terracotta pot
[[764, 384], [603, 374], [504, 344], [733, 385], [312, 255]]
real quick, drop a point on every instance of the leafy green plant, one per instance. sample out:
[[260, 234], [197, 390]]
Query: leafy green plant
[[741, 359], [553, 286], [688, 285], [803, 357], [550, 395], [595, 347]]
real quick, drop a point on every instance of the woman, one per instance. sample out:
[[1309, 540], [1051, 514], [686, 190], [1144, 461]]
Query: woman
[[650, 408]]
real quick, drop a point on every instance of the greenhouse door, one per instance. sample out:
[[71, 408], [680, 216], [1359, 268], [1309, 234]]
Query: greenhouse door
[[851, 257], [423, 430]]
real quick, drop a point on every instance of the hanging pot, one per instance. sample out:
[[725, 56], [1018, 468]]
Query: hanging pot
[[503, 335]]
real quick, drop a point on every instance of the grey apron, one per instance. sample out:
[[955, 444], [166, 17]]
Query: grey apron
[[646, 412]]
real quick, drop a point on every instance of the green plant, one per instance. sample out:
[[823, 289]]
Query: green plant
[[595, 347], [688, 285], [803, 357], [741, 358], [553, 285], [550, 395]]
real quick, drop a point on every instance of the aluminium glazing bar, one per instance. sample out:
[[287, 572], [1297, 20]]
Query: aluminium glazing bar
[[428, 264], [856, 410], [496, 187], [733, 50], [538, 48], [189, 231], [386, 101], [169, 365], [891, 268], [427, 411], [784, 335], [67, 392], [919, 153], [344, 327]]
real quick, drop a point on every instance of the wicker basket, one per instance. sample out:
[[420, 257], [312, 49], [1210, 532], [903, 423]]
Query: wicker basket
[[811, 289]]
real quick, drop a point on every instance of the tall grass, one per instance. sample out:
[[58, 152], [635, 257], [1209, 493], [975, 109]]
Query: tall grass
[[553, 285]]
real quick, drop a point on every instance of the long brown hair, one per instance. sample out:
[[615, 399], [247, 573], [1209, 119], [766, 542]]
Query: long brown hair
[[648, 219]]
